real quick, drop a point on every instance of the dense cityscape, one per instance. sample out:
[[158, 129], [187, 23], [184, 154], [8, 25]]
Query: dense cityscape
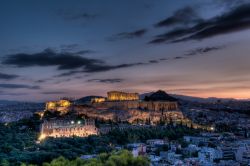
[[125, 83], [157, 127]]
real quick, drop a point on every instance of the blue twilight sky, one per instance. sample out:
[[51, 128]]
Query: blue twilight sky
[[55, 48]]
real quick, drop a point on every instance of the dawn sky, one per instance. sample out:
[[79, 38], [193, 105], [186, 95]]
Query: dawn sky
[[55, 48]]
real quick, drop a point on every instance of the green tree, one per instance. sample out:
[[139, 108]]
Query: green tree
[[121, 158], [4, 162]]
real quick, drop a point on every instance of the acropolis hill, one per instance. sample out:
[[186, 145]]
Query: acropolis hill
[[126, 106], [158, 101], [122, 105], [117, 107]]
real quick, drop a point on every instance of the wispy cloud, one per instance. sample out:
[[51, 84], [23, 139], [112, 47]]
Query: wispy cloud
[[12, 94], [83, 52], [235, 20], [128, 35], [81, 16], [153, 61], [99, 68], [179, 57], [107, 80], [229, 3], [40, 81], [52, 92], [182, 16], [199, 51], [5, 76], [18, 86], [77, 15], [69, 47]]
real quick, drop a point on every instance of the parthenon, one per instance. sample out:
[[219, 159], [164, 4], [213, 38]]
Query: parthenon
[[121, 96]]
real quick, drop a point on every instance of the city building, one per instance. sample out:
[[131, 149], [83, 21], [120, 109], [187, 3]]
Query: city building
[[228, 151], [153, 142], [209, 154], [195, 139], [242, 153], [98, 99], [137, 149]]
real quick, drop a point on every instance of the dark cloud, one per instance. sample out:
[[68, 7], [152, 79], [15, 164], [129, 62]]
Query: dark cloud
[[49, 57], [78, 77], [69, 47], [182, 16], [83, 52], [178, 57], [70, 73], [153, 61], [99, 68], [163, 59], [74, 49], [110, 81], [12, 94], [81, 16], [128, 35], [77, 15], [40, 81], [4, 76], [171, 35], [236, 20], [52, 92], [64, 61], [66, 80], [44, 80], [18, 86], [229, 3], [198, 51]]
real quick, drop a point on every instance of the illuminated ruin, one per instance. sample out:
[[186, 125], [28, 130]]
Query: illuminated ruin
[[143, 105], [67, 128], [122, 96], [98, 100], [62, 106]]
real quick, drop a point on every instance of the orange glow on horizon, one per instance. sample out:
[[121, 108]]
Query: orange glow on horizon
[[238, 96]]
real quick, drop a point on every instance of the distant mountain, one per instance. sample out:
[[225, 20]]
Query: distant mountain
[[159, 96], [202, 100], [194, 99], [143, 95]]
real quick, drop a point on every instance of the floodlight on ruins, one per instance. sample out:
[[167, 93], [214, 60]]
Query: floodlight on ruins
[[41, 137]]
